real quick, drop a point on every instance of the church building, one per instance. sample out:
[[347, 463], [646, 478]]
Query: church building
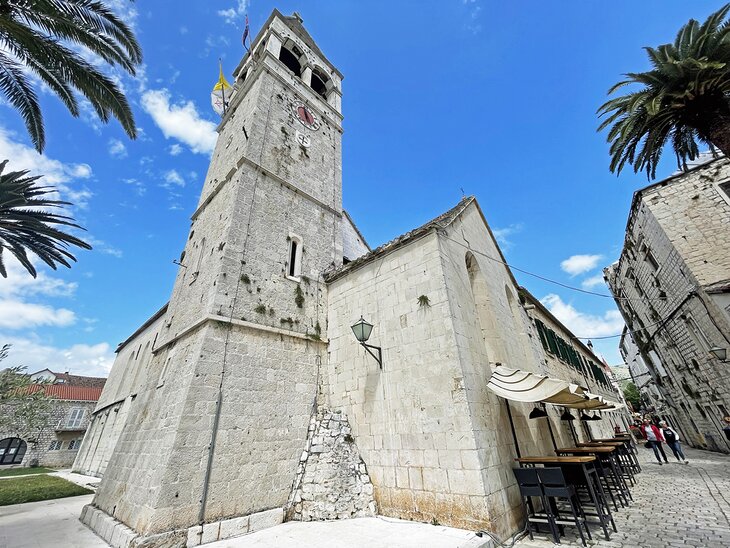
[[247, 400]]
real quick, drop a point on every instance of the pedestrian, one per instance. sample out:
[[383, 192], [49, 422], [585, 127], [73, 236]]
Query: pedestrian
[[727, 427], [654, 439], [672, 439]]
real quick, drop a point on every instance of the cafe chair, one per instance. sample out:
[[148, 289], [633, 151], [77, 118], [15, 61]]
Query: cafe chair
[[557, 490], [529, 484]]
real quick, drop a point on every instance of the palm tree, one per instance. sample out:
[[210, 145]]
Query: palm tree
[[684, 99], [27, 223], [32, 36]]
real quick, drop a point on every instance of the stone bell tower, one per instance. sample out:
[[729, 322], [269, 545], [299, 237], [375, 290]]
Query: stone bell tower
[[217, 431]]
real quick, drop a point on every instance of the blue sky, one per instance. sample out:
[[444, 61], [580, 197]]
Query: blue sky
[[495, 98]]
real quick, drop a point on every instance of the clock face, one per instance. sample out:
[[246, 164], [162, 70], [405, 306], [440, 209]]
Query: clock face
[[305, 116]]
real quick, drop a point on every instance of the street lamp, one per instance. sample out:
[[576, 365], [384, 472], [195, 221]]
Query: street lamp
[[362, 331], [719, 353], [566, 416], [537, 413]]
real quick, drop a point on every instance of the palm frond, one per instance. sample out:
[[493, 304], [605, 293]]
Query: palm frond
[[678, 101], [36, 34], [14, 85], [29, 223]]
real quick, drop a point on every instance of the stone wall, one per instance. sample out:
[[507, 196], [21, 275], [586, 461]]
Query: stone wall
[[128, 376], [436, 442], [677, 242], [39, 444], [332, 480]]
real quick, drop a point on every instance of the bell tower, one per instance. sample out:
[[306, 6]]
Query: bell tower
[[217, 430]]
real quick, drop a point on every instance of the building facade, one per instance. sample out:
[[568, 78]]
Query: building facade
[[643, 377], [672, 286], [246, 400], [57, 442]]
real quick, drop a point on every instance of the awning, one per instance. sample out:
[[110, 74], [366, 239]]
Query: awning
[[524, 386], [528, 387]]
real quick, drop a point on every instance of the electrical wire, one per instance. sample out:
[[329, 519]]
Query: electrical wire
[[549, 280]]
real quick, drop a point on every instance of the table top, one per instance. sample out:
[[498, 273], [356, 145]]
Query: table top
[[600, 444], [601, 449], [556, 460]]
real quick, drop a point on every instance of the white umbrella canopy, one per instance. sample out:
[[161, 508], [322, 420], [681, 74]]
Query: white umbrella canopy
[[528, 387]]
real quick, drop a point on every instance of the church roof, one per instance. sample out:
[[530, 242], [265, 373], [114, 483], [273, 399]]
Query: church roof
[[442, 221]]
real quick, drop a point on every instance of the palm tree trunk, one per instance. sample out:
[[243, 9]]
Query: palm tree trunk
[[713, 124], [718, 133]]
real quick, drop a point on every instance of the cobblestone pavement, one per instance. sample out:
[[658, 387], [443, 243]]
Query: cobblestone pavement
[[675, 505]]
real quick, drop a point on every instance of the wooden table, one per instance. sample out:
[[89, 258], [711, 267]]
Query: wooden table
[[586, 450], [549, 459], [580, 470], [610, 463], [600, 444]]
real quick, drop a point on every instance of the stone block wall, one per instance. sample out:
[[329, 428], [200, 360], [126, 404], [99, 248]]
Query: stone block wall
[[39, 443], [409, 419], [677, 242]]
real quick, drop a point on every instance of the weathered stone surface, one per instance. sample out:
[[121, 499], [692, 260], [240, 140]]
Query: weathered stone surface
[[672, 284], [333, 483]]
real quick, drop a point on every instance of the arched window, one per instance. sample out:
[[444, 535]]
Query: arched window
[[319, 83], [294, 257], [12, 451], [291, 59]]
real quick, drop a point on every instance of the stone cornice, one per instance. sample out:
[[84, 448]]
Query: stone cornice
[[239, 323]]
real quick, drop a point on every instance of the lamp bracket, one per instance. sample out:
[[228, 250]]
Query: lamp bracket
[[379, 357]]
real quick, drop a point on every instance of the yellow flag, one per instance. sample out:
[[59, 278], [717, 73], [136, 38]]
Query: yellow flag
[[220, 96]]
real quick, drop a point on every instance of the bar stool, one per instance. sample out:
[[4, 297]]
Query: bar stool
[[529, 484], [555, 487]]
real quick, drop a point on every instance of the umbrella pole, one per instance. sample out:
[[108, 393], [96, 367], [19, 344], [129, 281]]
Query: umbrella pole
[[572, 431], [512, 426], [552, 436]]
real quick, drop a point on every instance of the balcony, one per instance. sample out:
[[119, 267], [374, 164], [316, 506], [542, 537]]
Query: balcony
[[65, 425]]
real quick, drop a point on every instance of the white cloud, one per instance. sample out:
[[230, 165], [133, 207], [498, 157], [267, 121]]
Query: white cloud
[[103, 247], [180, 121], [79, 359], [117, 148], [139, 187], [503, 235], [236, 13], [175, 150], [16, 313], [20, 284], [581, 324], [172, 177], [19, 315], [55, 172], [593, 281], [578, 264]]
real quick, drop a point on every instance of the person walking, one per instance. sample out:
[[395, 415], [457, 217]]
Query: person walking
[[672, 439], [654, 439]]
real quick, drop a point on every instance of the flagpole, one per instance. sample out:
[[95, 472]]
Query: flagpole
[[223, 88]]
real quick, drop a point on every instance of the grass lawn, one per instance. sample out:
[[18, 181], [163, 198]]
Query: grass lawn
[[41, 487], [24, 471]]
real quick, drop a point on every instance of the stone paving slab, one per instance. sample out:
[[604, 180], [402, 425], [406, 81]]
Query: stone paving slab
[[377, 532], [48, 523], [675, 505]]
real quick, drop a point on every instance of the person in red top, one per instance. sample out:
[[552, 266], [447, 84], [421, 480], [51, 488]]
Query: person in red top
[[654, 439]]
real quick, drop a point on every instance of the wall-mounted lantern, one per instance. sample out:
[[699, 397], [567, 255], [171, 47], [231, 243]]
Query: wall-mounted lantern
[[362, 331], [719, 353]]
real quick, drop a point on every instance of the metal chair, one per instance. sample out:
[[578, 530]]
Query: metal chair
[[556, 488], [529, 484]]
